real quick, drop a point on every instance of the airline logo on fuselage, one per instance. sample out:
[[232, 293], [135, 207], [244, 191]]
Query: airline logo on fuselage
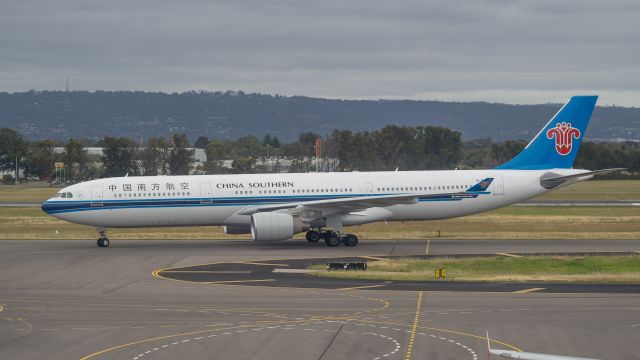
[[255, 185], [563, 134]]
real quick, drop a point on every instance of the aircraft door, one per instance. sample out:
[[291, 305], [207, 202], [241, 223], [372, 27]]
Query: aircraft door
[[369, 189], [96, 196], [498, 185], [206, 196]]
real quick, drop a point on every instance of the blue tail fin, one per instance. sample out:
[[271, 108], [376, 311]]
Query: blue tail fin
[[556, 145]]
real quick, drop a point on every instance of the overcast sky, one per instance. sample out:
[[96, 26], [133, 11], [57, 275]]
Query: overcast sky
[[504, 51]]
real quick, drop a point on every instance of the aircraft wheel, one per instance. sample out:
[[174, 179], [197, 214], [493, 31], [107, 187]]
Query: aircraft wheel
[[332, 241], [313, 236], [350, 240], [103, 242]]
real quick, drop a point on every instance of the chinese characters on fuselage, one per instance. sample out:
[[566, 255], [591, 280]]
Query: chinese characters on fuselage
[[152, 187]]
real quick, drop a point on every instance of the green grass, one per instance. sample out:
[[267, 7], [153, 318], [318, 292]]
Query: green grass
[[26, 193], [625, 269], [596, 190]]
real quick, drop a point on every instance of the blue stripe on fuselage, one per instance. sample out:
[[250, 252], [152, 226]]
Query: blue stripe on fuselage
[[58, 207]]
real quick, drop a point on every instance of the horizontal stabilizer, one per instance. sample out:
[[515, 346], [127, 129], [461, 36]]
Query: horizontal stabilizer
[[551, 180]]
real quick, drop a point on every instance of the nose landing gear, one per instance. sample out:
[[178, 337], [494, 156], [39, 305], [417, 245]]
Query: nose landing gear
[[103, 241]]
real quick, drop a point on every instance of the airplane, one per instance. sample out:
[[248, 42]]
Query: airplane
[[274, 207], [521, 355]]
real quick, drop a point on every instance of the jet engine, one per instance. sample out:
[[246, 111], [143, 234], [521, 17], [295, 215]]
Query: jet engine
[[234, 230], [272, 226]]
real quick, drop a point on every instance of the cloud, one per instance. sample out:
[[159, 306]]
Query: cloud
[[513, 51]]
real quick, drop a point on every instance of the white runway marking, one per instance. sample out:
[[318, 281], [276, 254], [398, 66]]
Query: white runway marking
[[395, 349]]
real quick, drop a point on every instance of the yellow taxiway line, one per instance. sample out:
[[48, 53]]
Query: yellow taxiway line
[[509, 255], [526, 291], [238, 281], [373, 258], [259, 263], [414, 327], [359, 287], [208, 271]]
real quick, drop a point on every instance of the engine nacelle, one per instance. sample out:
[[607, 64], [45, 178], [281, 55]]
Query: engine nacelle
[[271, 226], [234, 230]]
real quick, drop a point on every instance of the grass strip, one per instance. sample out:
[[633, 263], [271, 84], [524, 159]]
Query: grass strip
[[601, 269]]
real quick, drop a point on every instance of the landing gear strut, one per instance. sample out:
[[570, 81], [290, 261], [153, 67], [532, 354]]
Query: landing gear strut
[[102, 236]]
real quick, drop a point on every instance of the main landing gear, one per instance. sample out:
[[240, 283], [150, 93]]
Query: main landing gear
[[102, 237], [332, 238]]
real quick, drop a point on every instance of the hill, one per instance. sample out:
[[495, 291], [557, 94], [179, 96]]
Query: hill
[[93, 115]]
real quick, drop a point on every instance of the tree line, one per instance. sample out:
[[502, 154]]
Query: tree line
[[65, 114], [389, 148]]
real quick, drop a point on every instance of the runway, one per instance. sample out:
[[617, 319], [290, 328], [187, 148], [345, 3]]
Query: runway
[[72, 300]]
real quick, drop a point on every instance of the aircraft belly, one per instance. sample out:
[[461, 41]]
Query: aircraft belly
[[165, 216]]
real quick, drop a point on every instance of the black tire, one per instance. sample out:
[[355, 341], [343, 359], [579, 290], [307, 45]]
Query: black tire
[[103, 242], [313, 236], [332, 241], [350, 240]]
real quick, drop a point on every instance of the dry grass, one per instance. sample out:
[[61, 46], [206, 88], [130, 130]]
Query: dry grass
[[27, 193], [597, 190], [510, 223]]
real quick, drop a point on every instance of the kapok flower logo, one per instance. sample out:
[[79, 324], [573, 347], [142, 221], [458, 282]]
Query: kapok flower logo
[[564, 134]]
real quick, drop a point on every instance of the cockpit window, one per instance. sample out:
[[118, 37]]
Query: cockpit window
[[64, 195]]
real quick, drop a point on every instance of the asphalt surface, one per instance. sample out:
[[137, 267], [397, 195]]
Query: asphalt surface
[[72, 300], [295, 273]]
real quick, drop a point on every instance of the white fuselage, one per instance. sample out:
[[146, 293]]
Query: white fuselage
[[214, 200]]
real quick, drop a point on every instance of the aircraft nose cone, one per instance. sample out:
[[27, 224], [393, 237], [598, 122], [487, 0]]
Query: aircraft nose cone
[[46, 206]]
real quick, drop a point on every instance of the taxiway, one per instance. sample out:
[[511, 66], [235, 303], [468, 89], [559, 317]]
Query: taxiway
[[70, 299]]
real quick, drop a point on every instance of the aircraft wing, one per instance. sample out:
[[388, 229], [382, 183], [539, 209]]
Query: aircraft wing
[[349, 204]]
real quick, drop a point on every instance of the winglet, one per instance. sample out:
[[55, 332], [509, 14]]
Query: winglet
[[481, 186], [488, 346]]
